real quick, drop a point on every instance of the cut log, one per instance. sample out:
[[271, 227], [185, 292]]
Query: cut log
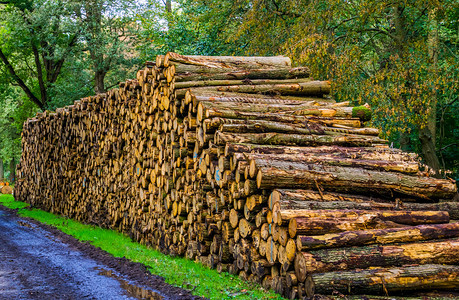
[[316, 88], [383, 281], [379, 236], [221, 138], [230, 74], [320, 226], [234, 62], [327, 260], [335, 160], [401, 217], [368, 153], [212, 109], [334, 178], [226, 82]]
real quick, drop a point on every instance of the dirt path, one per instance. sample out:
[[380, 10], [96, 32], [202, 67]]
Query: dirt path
[[40, 262]]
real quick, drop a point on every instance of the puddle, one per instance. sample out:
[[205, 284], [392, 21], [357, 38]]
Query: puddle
[[26, 224], [131, 290]]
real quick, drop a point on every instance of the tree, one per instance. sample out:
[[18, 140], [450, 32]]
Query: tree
[[379, 52], [37, 38], [108, 35]]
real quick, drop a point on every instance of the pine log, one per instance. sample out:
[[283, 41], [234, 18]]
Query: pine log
[[401, 217], [221, 138], [320, 226], [234, 62], [316, 88], [328, 260], [384, 280], [368, 153], [211, 109], [260, 99], [230, 74], [233, 114], [379, 236], [335, 160], [334, 178], [245, 126], [226, 82]]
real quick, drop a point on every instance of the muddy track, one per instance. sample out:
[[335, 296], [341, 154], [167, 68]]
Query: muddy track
[[40, 262]]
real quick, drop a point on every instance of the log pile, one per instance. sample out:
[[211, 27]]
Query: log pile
[[246, 165]]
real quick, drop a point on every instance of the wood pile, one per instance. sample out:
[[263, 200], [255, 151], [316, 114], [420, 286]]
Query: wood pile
[[5, 187], [246, 165]]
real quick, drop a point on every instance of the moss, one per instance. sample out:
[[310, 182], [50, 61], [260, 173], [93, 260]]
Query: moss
[[362, 112]]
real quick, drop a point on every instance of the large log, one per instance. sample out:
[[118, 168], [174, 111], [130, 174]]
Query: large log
[[271, 138], [335, 178], [232, 81], [182, 75], [234, 62], [245, 126], [362, 257], [212, 109], [320, 226], [317, 88], [335, 160], [281, 216], [379, 236], [367, 153], [384, 280]]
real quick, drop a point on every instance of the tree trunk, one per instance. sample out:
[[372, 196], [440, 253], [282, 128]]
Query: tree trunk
[[427, 133], [12, 170], [2, 170], [99, 85], [168, 6]]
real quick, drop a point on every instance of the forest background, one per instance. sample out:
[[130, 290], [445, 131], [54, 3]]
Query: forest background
[[401, 57]]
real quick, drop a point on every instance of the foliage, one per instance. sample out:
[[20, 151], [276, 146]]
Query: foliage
[[401, 58], [177, 271]]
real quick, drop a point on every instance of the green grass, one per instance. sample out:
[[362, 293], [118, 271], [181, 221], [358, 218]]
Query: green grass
[[177, 271]]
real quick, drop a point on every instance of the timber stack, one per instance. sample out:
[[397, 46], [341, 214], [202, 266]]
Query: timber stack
[[246, 165]]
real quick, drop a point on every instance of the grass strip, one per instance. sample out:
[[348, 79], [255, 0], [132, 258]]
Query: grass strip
[[177, 271]]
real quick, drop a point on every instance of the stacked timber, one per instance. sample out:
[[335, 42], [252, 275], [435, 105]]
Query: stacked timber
[[246, 165]]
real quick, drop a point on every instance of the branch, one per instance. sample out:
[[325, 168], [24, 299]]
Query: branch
[[39, 74], [19, 81], [342, 22], [447, 146], [378, 30]]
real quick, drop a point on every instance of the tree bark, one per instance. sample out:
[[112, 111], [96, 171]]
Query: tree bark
[[99, 84]]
